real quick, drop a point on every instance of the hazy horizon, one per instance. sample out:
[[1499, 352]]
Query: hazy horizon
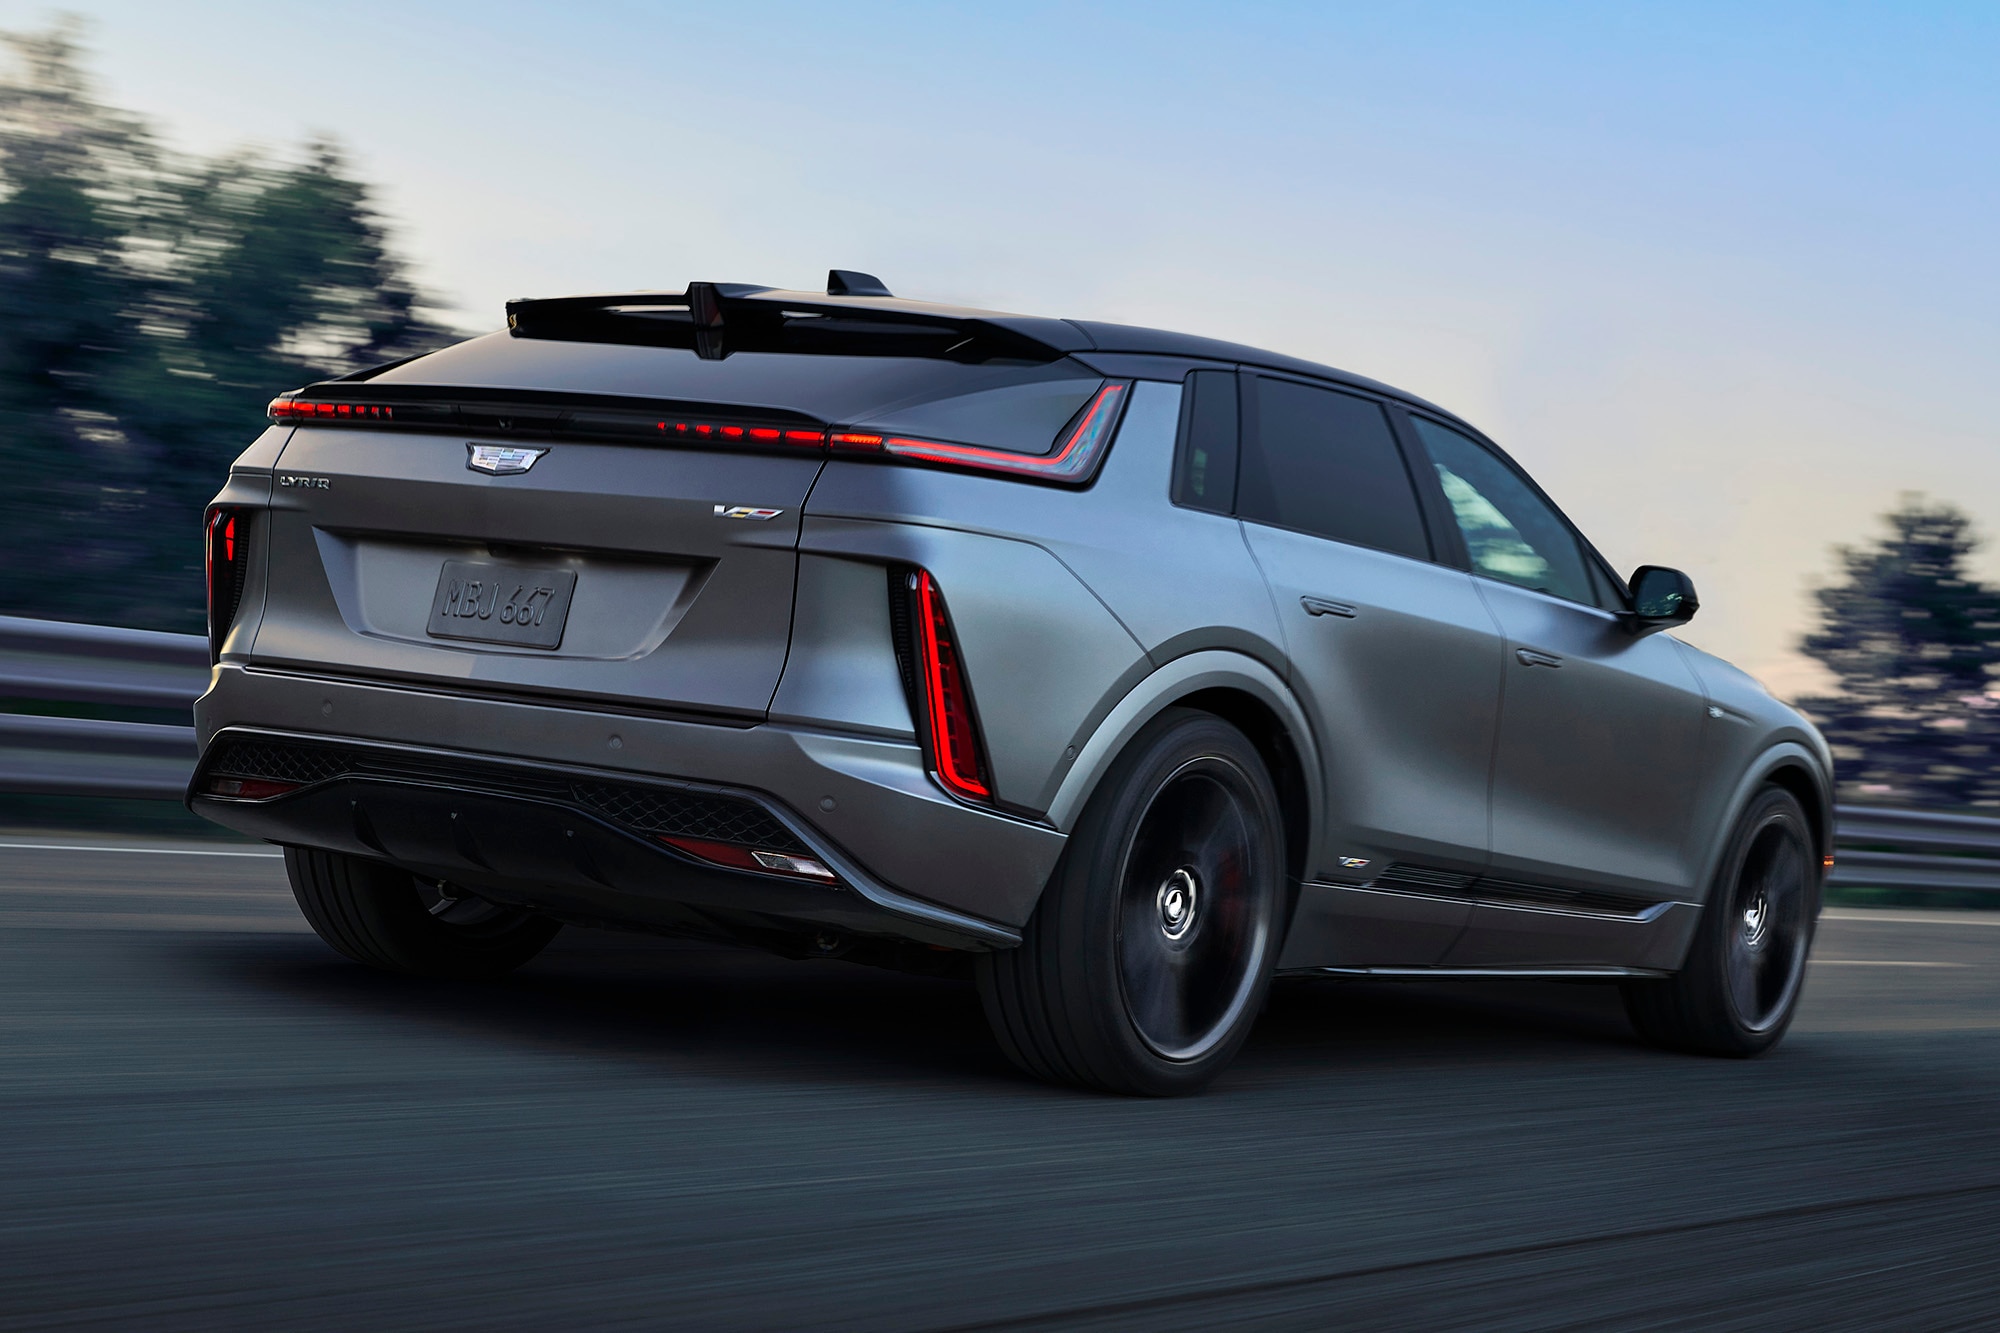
[[1724, 283]]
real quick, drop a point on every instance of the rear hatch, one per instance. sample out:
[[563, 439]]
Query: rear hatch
[[610, 524]]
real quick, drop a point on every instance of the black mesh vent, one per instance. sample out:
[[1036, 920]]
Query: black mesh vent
[[647, 810], [902, 632], [687, 815], [278, 762]]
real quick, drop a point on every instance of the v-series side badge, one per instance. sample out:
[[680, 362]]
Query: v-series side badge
[[746, 511]]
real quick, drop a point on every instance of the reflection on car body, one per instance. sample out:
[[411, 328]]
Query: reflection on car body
[[1118, 670]]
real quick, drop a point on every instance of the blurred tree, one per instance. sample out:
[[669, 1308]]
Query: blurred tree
[[149, 307], [1914, 639]]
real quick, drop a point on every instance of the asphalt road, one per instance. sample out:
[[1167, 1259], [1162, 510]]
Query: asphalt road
[[208, 1121]]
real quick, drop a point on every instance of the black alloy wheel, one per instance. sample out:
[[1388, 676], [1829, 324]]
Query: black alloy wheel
[[1187, 917], [1740, 986], [1145, 964], [1769, 930]]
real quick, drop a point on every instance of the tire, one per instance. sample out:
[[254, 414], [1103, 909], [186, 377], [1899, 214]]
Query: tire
[[386, 918], [1146, 962], [1740, 986]]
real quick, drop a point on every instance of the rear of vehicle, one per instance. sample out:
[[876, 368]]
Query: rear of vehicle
[[555, 622]]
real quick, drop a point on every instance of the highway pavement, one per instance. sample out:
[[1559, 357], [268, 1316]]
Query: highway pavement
[[207, 1120]]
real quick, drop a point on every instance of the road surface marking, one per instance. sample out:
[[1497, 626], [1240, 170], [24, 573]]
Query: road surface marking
[[1964, 917], [105, 847]]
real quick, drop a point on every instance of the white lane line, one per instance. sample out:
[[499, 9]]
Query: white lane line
[[1878, 915], [150, 851], [1879, 962]]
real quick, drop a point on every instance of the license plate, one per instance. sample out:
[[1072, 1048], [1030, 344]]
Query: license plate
[[496, 603]]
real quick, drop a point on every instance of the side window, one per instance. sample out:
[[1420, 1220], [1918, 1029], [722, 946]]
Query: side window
[[1512, 534], [1326, 463], [1205, 458]]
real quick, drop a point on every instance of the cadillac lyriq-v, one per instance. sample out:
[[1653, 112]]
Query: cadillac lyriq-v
[[1116, 671]]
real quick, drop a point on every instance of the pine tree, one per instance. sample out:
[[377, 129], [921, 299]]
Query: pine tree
[[1914, 640]]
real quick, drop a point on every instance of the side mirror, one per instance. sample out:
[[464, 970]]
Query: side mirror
[[1661, 597]]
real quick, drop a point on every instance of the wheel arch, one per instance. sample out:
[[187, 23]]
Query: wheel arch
[[1792, 767], [1241, 691]]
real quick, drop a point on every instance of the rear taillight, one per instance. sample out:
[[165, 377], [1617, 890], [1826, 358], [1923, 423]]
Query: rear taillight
[[287, 410], [951, 726], [1074, 459], [227, 558], [763, 860]]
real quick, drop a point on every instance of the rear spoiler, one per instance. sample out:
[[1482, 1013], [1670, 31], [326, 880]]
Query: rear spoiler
[[717, 319]]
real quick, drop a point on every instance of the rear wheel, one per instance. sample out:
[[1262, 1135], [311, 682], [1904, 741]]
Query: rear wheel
[[1145, 964], [388, 918], [1738, 991]]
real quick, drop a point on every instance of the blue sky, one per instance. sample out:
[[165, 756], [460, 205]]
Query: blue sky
[[1723, 277]]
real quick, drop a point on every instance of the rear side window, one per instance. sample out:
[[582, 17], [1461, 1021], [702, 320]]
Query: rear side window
[[1326, 463], [1205, 457]]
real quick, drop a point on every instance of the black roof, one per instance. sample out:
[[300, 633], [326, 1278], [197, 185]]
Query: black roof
[[752, 317]]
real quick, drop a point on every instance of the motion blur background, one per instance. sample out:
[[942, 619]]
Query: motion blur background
[[1723, 280], [1723, 277]]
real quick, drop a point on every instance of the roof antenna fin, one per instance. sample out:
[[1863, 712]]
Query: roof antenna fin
[[846, 282]]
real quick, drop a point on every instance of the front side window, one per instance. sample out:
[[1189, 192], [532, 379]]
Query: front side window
[[1326, 462], [1511, 533]]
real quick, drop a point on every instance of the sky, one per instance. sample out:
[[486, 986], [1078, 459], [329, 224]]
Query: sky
[[1722, 277]]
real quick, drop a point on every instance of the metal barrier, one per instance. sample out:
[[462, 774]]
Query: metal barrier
[[1915, 849], [55, 662], [52, 661]]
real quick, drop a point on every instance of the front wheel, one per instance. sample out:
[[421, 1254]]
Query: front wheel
[[1145, 964], [389, 919], [1740, 986]]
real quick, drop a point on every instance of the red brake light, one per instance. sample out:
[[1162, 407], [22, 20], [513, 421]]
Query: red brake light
[[289, 411], [225, 555], [247, 789], [761, 860], [1074, 459], [954, 734]]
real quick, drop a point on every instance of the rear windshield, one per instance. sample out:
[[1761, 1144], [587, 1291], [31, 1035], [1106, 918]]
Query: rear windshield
[[1000, 405]]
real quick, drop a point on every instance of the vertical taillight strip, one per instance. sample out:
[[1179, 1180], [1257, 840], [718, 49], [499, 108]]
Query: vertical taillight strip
[[226, 557], [951, 727]]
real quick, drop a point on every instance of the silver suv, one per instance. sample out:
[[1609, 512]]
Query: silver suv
[[1118, 670]]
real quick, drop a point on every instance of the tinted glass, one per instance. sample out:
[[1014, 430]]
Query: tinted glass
[[998, 405], [1326, 463], [1205, 459], [1512, 534]]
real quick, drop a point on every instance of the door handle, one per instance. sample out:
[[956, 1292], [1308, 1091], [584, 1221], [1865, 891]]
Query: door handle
[[1320, 606], [1532, 657]]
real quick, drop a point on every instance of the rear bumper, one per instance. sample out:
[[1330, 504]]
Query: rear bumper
[[910, 862]]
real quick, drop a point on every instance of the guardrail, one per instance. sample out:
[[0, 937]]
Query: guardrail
[[56, 662], [1915, 849]]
